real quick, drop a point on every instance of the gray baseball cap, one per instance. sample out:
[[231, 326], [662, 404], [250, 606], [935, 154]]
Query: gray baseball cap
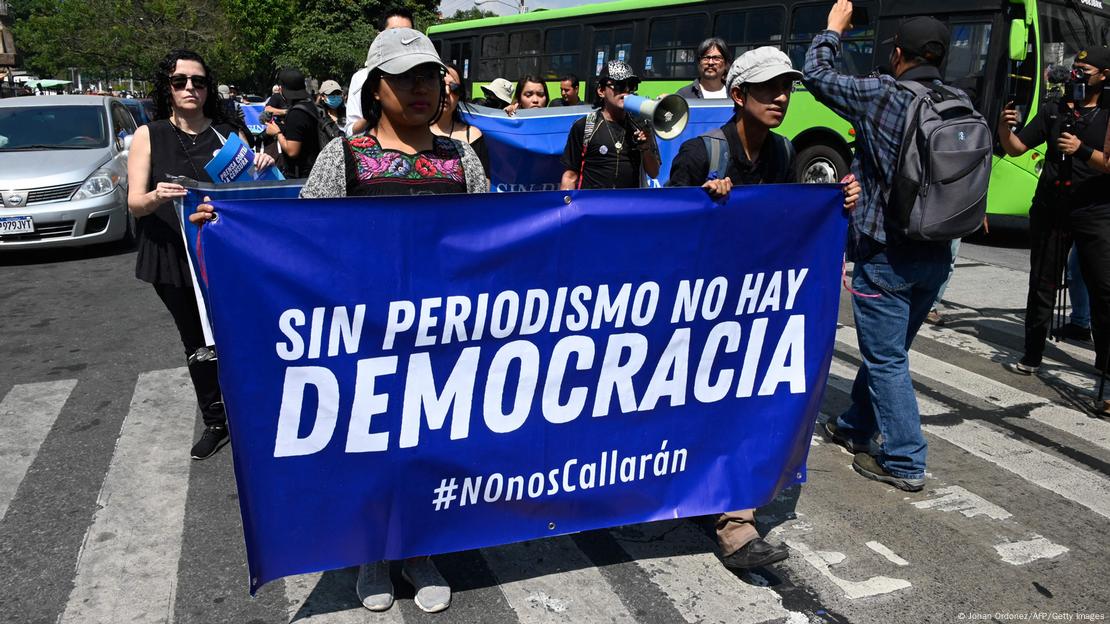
[[397, 50], [760, 65]]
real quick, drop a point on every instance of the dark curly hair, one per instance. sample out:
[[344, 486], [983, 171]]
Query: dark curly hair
[[162, 92]]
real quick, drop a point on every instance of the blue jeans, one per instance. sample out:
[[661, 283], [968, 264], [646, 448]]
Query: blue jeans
[[907, 277], [944, 286], [1077, 290]]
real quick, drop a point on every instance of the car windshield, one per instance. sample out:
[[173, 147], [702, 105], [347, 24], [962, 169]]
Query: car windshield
[[52, 127]]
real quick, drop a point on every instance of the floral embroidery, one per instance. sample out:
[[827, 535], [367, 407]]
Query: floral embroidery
[[441, 162]]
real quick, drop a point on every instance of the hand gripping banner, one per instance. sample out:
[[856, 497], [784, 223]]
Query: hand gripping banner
[[419, 375]]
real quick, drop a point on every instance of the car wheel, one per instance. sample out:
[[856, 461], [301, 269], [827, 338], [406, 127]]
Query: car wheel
[[820, 164]]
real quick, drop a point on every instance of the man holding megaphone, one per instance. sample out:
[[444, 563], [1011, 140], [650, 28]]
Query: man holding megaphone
[[607, 148]]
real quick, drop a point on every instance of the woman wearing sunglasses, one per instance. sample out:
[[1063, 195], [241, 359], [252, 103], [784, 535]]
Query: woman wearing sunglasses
[[451, 123], [190, 127], [403, 96]]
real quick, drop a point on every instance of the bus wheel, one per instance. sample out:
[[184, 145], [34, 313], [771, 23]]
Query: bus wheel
[[820, 164]]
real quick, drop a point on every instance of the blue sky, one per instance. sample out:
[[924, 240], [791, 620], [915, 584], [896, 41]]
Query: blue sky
[[448, 7]]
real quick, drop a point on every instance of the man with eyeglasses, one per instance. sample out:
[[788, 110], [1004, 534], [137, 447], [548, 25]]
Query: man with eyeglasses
[[607, 149], [713, 62]]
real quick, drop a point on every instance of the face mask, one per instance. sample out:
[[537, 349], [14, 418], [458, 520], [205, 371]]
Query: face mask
[[335, 101]]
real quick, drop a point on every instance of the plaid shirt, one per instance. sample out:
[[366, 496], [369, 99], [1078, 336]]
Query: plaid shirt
[[877, 109]]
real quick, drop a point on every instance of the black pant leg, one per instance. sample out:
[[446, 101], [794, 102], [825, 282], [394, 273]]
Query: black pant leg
[[1048, 248], [182, 305], [1091, 229]]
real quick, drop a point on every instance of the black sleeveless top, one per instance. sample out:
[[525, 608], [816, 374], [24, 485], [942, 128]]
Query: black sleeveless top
[[161, 254]]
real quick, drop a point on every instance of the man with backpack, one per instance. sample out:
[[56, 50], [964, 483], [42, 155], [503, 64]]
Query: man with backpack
[[923, 159], [746, 151], [298, 134]]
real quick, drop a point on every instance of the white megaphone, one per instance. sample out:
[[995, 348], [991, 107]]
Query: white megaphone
[[668, 115]]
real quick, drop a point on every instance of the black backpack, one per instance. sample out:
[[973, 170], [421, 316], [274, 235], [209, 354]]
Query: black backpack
[[326, 128]]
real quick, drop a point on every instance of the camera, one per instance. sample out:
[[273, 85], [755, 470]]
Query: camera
[[1072, 81]]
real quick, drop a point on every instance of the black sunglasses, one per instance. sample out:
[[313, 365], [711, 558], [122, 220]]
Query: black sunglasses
[[624, 86], [178, 81]]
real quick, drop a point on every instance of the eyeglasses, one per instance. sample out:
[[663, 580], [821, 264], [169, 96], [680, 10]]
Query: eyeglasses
[[714, 58], [408, 80], [623, 86], [178, 81]]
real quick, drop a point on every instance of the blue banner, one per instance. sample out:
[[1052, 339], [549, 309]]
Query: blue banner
[[524, 149], [418, 375], [251, 113]]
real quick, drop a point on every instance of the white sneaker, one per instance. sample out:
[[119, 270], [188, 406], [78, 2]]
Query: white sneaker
[[374, 587], [433, 594]]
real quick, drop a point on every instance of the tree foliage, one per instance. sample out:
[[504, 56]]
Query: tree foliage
[[472, 13], [244, 41]]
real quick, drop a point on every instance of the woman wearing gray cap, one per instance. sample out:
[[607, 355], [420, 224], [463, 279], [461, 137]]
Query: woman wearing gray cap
[[399, 155]]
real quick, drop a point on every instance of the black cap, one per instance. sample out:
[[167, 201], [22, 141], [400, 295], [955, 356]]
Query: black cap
[[292, 84], [1098, 56], [926, 37]]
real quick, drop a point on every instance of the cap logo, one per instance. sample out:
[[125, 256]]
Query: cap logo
[[1082, 55], [408, 41]]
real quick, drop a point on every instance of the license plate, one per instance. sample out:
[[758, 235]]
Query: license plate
[[16, 225]]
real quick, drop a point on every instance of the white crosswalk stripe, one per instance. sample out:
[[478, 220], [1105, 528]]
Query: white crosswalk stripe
[[1002, 395], [26, 415], [127, 569], [551, 581], [679, 559]]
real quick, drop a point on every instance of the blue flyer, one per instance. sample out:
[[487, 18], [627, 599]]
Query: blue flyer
[[235, 163]]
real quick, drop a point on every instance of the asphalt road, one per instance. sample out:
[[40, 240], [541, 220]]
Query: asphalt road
[[93, 400]]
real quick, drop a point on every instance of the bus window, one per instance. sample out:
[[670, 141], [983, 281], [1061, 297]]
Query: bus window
[[751, 29], [1064, 35], [966, 61], [672, 46], [561, 49], [494, 48], [858, 44], [613, 44], [524, 55]]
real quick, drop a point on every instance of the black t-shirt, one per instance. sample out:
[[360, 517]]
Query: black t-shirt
[[774, 165], [1089, 186], [300, 125], [607, 166]]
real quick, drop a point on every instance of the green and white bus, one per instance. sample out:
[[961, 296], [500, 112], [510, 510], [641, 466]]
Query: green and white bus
[[999, 51]]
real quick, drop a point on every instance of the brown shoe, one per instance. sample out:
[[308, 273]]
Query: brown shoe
[[934, 318]]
